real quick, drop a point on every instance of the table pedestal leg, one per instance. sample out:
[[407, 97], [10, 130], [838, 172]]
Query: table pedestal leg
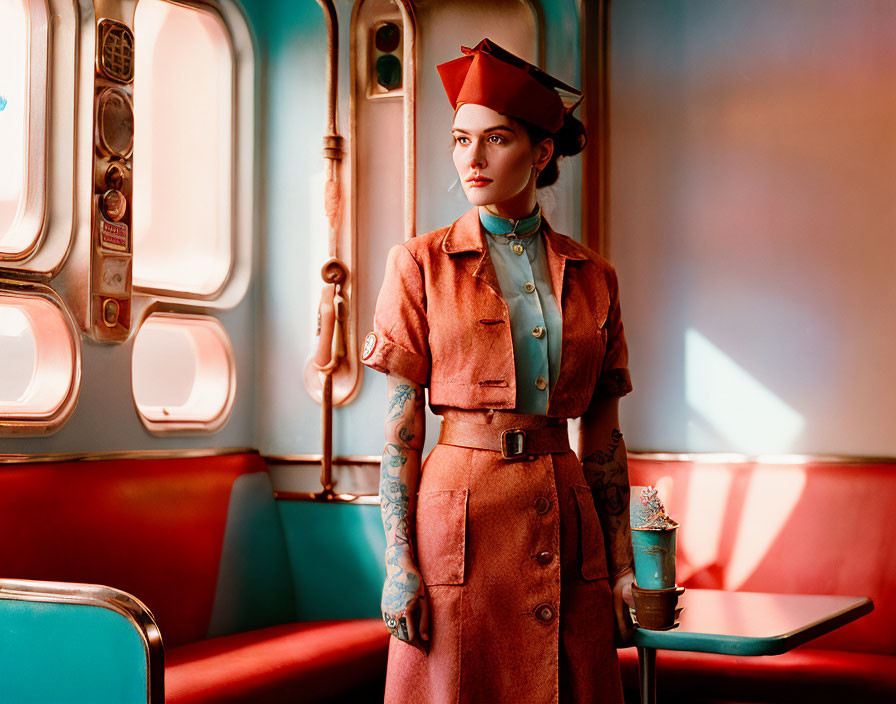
[[647, 668]]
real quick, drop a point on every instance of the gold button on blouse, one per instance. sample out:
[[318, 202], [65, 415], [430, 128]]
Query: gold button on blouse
[[517, 248], [529, 287], [538, 331], [541, 383]]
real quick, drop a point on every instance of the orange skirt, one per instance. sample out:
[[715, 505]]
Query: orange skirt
[[512, 555]]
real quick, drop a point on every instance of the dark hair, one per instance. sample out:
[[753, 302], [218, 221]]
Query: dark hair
[[569, 140]]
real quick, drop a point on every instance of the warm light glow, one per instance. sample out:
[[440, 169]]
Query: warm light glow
[[183, 372], [703, 518], [14, 33], [13, 323], [738, 407], [183, 160], [39, 366], [19, 354], [771, 497]]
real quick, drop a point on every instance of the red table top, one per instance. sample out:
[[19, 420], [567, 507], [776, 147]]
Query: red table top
[[750, 623]]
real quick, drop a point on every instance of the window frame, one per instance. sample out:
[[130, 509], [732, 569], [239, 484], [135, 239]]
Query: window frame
[[183, 426], [32, 205], [243, 164], [39, 424]]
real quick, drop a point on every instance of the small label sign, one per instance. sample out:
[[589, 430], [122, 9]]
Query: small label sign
[[114, 235]]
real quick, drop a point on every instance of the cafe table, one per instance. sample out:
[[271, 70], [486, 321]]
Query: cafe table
[[744, 623]]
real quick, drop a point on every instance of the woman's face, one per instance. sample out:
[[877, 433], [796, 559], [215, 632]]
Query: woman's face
[[494, 156]]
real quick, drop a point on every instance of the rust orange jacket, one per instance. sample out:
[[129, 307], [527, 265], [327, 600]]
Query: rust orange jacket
[[441, 321]]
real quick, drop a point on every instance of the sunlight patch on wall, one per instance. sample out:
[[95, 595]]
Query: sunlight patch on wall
[[771, 497], [744, 412], [703, 519]]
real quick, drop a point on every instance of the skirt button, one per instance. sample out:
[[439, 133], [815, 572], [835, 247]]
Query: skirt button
[[545, 612]]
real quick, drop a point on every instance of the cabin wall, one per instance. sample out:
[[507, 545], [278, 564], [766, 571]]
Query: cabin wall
[[105, 418], [752, 223], [272, 328]]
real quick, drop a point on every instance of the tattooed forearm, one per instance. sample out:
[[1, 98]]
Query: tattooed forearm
[[401, 459], [401, 581], [394, 495], [399, 471], [605, 456], [606, 471], [402, 394], [607, 475]]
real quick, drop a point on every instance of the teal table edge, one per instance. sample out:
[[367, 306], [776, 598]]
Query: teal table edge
[[750, 646]]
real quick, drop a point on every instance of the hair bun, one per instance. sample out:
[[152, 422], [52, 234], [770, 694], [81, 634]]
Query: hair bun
[[571, 138]]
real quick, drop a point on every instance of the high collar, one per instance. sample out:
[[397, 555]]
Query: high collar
[[466, 234], [500, 226]]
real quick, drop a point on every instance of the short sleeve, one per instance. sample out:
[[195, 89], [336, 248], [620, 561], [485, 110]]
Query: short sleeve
[[614, 378], [399, 342]]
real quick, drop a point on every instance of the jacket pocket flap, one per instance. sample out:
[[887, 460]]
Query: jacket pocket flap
[[441, 536], [592, 550]]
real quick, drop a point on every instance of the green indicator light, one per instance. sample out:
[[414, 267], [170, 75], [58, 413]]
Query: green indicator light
[[388, 72]]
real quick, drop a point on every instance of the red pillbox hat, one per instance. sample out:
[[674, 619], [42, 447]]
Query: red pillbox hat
[[491, 76]]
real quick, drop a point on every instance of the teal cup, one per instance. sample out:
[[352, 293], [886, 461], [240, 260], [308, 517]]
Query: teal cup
[[654, 551]]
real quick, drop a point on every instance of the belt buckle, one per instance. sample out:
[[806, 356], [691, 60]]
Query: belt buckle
[[513, 443]]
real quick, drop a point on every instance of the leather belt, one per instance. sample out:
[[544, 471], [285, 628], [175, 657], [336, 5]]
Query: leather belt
[[511, 442]]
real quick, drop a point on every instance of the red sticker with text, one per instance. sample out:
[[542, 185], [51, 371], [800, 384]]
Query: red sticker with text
[[114, 235]]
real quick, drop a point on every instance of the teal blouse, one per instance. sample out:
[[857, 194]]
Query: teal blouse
[[536, 324]]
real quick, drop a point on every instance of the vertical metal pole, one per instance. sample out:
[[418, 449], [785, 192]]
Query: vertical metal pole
[[647, 668], [326, 412]]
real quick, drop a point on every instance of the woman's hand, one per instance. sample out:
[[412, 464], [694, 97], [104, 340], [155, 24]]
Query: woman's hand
[[405, 607], [622, 598]]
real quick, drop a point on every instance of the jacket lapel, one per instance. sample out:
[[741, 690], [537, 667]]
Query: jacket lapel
[[558, 249], [465, 237]]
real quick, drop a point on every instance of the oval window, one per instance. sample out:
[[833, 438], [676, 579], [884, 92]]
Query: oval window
[[183, 150], [183, 373], [40, 374], [23, 88]]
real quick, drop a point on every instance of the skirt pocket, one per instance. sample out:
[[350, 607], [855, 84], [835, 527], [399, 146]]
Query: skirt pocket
[[441, 536], [594, 558]]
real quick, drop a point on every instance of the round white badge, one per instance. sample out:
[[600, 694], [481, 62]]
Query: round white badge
[[369, 345]]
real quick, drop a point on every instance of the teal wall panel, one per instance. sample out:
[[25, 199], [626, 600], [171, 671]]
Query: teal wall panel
[[336, 552], [254, 582]]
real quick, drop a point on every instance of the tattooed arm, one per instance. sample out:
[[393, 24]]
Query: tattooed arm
[[404, 605], [604, 463]]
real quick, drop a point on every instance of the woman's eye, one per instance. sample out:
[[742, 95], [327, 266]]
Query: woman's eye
[[460, 140], [496, 139]]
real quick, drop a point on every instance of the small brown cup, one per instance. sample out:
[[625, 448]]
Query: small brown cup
[[655, 608]]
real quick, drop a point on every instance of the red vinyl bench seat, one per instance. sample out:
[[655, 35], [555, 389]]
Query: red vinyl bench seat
[[278, 663], [237, 595]]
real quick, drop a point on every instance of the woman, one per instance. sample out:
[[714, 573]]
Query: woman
[[506, 557]]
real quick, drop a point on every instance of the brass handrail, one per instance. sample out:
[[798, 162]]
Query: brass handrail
[[334, 311]]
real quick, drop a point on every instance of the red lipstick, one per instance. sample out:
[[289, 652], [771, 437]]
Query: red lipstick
[[478, 181]]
